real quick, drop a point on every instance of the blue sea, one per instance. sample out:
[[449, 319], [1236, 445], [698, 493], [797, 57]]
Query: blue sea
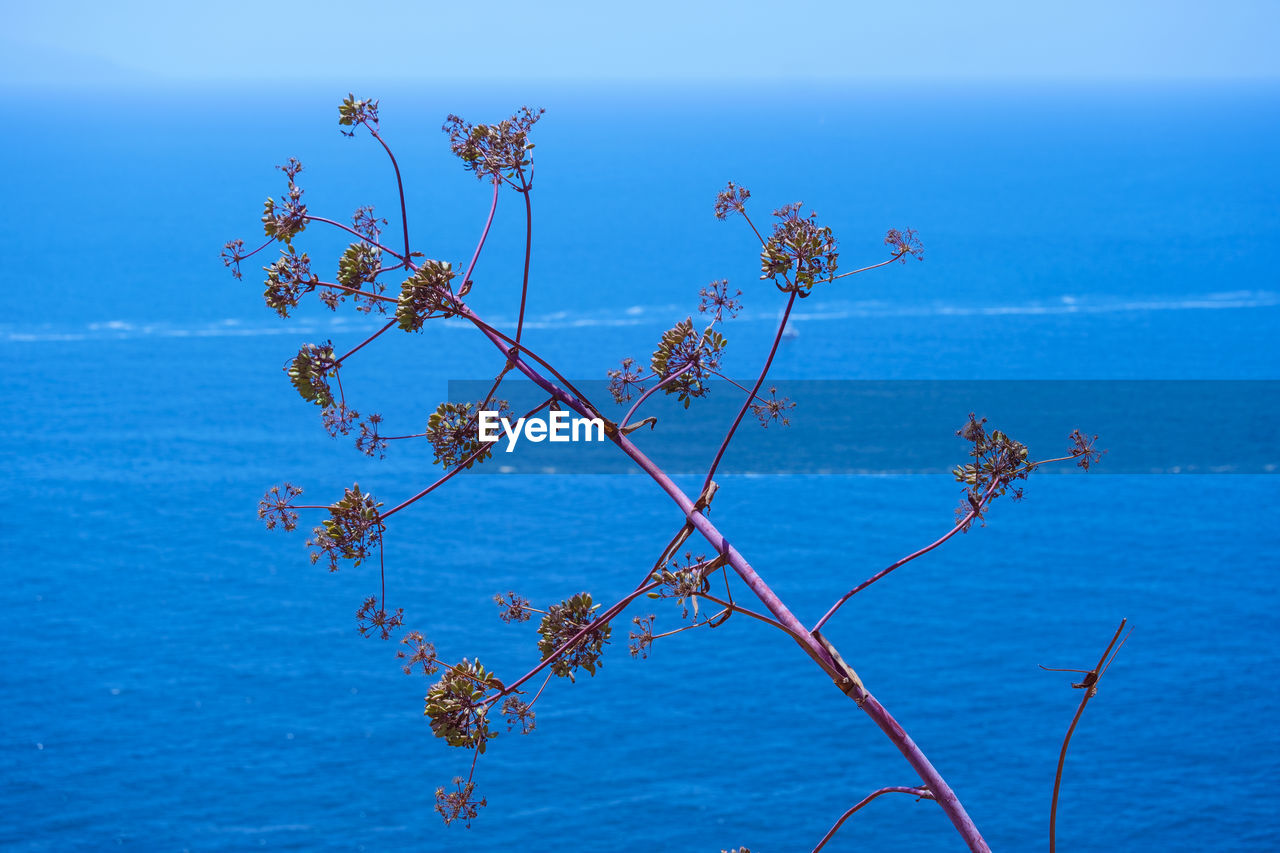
[[177, 678]]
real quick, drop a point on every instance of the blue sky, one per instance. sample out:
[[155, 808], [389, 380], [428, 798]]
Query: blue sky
[[75, 42]]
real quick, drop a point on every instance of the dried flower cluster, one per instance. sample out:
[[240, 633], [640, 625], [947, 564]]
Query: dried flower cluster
[[309, 371], [494, 150], [426, 295], [563, 622], [800, 253], [453, 430], [694, 356], [288, 218], [276, 508], [352, 531], [457, 708]]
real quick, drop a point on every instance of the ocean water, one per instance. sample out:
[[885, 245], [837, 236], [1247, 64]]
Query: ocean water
[[177, 678]]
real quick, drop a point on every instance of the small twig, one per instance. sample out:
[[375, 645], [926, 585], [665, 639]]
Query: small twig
[[647, 394], [404, 213], [392, 252], [356, 291], [528, 249], [738, 608], [896, 256], [961, 525], [921, 793], [475, 454], [764, 371], [484, 235], [1090, 686]]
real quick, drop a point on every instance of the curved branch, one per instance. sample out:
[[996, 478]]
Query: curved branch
[[961, 525], [665, 382], [373, 243], [773, 350], [1090, 685], [367, 341], [734, 607], [922, 793], [404, 214], [528, 249], [585, 407], [355, 291], [897, 256], [475, 256]]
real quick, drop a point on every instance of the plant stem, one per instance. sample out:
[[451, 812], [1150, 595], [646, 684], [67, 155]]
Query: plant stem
[[366, 341], [526, 188], [1089, 692], [475, 256], [894, 789], [373, 243], [961, 525], [773, 350], [647, 394], [404, 214]]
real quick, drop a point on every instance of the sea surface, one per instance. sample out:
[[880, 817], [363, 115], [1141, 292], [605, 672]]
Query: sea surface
[[175, 677]]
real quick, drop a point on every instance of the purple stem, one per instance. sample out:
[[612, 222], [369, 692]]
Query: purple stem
[[355, 291], [773, 350], [528, 248], [475, 256], [894, 789], [652, 390], [896, 256], [367, 341], [404, 215], [457, 469], [1066, 741], [961, 525], [373, 243]]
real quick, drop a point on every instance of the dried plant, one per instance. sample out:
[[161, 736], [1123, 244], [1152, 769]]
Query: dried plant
[[798, 256]]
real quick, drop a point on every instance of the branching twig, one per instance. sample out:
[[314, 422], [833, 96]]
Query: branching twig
[[1090, 686]]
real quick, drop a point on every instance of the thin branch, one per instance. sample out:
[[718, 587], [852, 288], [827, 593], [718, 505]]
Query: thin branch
[[665, 382], [584, 406], [961, 525], [921, 793], [773, 350], [367, 341], [738, 608], [1090, 685], [404, 215], [245, 257], [744, 389], [475, 256], [373, 243], [475, 454], [356, 291], [896, 256], [528, 249], [675, 631], [753, 226], [545, 682]]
